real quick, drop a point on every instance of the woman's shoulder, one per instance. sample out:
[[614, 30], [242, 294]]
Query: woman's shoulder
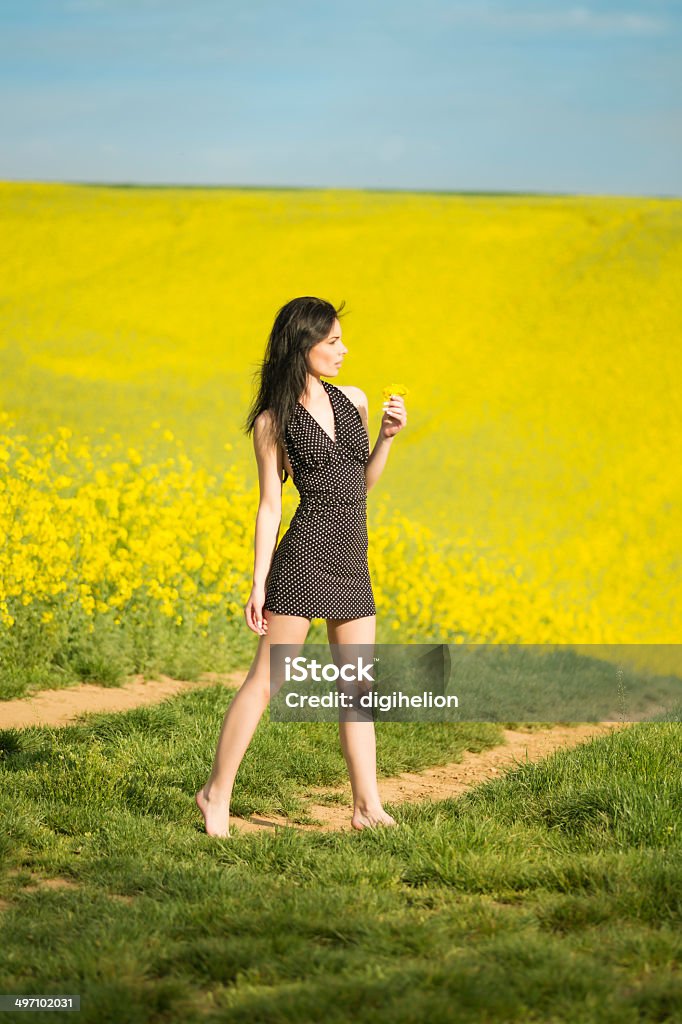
[[355, 394], [264, 427], [264, 418], [263, 422]]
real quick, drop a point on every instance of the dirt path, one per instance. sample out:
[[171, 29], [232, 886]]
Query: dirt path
[[60, 707], [438, 783]]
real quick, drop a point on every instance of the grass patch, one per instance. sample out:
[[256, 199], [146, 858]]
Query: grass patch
[[551, 893]]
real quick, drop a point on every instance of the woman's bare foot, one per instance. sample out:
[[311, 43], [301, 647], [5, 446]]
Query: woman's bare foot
[[369, 818], [216, 813]]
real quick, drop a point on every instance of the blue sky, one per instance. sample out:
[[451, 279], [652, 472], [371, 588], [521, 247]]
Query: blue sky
[[530, 96]]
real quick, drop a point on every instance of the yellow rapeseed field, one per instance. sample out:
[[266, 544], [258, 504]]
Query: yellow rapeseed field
[[533, 497]]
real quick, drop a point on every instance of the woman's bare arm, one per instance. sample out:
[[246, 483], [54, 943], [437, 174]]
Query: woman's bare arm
[[393, 420], [268, 518]]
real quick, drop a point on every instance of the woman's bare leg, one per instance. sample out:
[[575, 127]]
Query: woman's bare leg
[[358, 739], [241, 721]]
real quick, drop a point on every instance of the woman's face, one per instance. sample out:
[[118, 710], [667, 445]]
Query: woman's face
[[325, 358]]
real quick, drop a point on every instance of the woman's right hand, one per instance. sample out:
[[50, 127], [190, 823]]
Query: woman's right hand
[[253, 611]]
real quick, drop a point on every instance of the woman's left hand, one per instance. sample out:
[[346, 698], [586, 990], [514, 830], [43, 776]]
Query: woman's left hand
[[395, 416]]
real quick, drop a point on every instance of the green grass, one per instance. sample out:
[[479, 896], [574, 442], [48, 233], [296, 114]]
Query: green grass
[[111, 654], [550, 894]]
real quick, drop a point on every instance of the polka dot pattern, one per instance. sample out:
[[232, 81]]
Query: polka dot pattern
[[320, 569]]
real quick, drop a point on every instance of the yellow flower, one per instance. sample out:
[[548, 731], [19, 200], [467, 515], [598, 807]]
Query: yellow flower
[[108, 523], [395, 389]]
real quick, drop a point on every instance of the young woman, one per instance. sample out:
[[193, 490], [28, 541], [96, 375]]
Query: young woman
[[318, 434]]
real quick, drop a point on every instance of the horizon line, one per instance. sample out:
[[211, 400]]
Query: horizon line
[[336, 188]]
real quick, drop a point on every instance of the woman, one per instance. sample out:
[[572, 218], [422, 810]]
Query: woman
[[317, 433]]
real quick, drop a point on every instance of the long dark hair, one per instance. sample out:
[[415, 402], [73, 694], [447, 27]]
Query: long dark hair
[[282, 375]]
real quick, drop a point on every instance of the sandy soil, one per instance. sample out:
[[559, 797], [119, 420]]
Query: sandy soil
[[66, 705], [438, 783], [60, 707]]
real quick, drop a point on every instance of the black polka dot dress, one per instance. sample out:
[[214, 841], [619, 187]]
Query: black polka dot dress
[[319, 569]]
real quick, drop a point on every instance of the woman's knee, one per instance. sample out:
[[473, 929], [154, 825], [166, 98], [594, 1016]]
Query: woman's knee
[[257, 684]]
